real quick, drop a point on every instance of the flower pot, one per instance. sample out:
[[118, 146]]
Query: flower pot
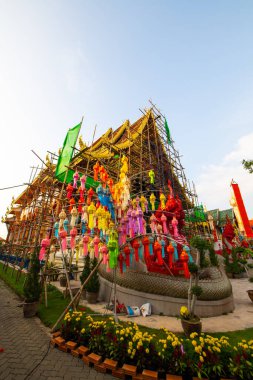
[[63, 282], [250, 294], [91, 297], [30, 309], [190, 326]]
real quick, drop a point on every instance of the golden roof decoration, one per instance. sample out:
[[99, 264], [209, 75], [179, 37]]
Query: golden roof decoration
[[119, 132], [82, 144]]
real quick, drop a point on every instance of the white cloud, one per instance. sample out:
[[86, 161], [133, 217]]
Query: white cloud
[[213, 184]]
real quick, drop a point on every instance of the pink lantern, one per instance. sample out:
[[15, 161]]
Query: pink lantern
[[85, 245], [83, 181], [63, 236], [44, 245], [164, 220], [96, 241], [75, 179], [73, 233], [104, 252], [174, 223], [153, 221]]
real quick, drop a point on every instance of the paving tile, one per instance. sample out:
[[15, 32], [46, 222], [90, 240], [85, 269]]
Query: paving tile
[[26, 341]]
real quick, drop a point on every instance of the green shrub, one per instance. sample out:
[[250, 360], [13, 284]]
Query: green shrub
[[204, 245], [86, 269], [193, 268], [202, 355], [32, 286], [197, 290], [93, 284]]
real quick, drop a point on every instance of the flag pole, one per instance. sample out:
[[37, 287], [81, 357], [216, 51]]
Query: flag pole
[[56, 214], [65, 178], [88, 162]]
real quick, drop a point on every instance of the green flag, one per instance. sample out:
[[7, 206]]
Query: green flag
[[167, 132], [67, 151]]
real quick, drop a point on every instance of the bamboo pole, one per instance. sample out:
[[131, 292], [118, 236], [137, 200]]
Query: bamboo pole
[[115, 296], [65, 268], [88, 161], [76, 298]]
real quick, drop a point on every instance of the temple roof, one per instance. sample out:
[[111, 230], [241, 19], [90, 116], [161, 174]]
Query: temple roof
[[219, 216], [143, 144]]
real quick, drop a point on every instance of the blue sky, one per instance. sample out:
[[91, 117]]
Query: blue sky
[[104, 60]]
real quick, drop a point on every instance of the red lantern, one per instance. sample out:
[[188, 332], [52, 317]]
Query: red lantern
[[72, 203], [145, 242], [69, 190], [158, 252], [136, 246], [185, 258], [127, 252], [96, 170], [170, 250], [121, 260]]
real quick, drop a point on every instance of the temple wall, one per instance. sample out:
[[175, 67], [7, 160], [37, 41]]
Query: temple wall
[[164, 304]]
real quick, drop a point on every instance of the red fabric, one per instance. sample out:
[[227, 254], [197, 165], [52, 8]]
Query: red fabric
[[242, 210]]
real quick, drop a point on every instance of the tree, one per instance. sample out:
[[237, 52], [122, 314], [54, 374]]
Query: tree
[[248, 165], [86, 269], [93, 284], [203, 247], [32, 286]]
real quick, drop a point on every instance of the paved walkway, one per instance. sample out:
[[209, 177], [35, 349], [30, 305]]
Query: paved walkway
[[240, 319], [25, 342]]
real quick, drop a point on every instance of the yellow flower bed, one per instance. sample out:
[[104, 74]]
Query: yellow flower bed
[[200, 355]]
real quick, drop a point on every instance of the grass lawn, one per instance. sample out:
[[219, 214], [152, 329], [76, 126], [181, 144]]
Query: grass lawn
[[57, 303], [10, 278], [236, 336]]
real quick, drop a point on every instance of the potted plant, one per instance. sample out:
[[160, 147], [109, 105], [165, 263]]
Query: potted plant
[[32, 287], [85, 273], [235, 263], [74, 271], [52, 272], [93, 285], [63, 281], [189, 320]]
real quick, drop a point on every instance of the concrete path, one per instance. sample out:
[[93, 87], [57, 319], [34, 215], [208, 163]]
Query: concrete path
[[240, 319], [25, 342]]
